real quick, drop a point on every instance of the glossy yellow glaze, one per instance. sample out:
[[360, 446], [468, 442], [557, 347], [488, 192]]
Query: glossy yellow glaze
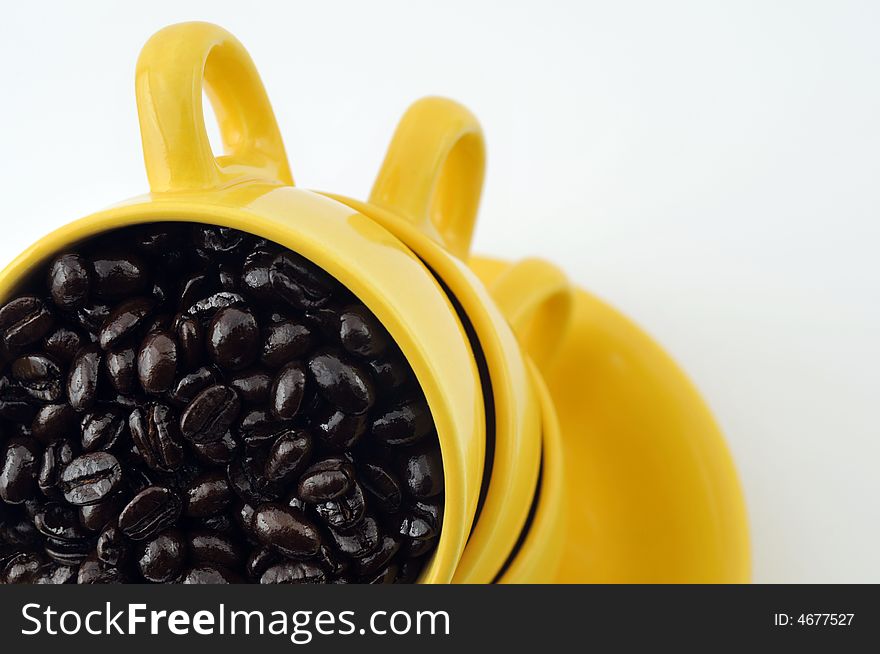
[[651, 489], [247, 191]]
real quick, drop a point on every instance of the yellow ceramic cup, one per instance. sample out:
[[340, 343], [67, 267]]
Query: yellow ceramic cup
[[250, 189]]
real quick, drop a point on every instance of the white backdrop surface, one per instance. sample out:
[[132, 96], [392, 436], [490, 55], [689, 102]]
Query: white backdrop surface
[[710, 168]]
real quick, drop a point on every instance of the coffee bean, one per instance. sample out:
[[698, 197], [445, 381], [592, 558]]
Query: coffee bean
[[23, 321], [255, 275], [404, 424], [233, 338], [343, 512], [15, 404], [22, 568], [258, 426], [289, 455], [219, 452], [284, 341], [56, 574], [94, 571], [326, 480], [149, 512], [373, 562], [124, 321], [21, 466], [293, 572], [209, 306], [95, 517], [299, 282], [121, 365], [382, 485], [339, 431], [62, 344], [161, 557], [217, 239], [361, 333], [346, 385], [214, 548], [288, 390], [157, 436], [286, 530], [102, 429], [260, 560], [423, 473], [39, 376], [56, 457], [92, 318], [90, 478], [82, 380], [191, 341], [119, 276], [207, 495], [210, 414], [187, 387], [209, 574], [157, 362], [252, 385], [112, 547], [53, 422], [358, 541], [420, 527]]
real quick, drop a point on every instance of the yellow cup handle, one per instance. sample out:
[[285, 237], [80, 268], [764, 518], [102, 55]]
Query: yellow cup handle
[[537, 299], [433, 172], [175, 65]]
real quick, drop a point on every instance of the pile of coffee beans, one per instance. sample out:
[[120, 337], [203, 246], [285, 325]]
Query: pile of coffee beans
[[187, 403]]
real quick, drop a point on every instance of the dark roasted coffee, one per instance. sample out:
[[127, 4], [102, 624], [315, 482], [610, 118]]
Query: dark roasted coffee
[[192, 404]]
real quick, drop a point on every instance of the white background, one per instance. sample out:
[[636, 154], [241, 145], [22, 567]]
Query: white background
[[710, 168]]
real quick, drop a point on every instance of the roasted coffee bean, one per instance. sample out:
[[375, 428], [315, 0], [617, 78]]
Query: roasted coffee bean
[[255, 275], [339, 431], [54, 422], [15, 404], [102, 429], [326, 480], [209, 574], [90, 478], [222, 240], [56, 574], [423, 473], [56, 457], [358, 541], [252, 385], [346, 385], [210, 414], [95, 517], [284, 341], [207, 495], [219, 452], [23, 568], [157, 436], [39, 376], [343, 512], [382, 485], [69, 281], [21, 466], [157, 362], [94, 571], [92, 318], [233, 338], [361, 333], [288, 456], [215, 548], [149, 512], [404, 424], [190, 385], [293, 572], [121, 365], [112, 547], [288, 390], [82, 380], [124, 321], [208, 307], [23, 321], [191, 341], [160, 558], [286, 530], [300, 282], [62, 344], [116, 277], [199, 384]]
